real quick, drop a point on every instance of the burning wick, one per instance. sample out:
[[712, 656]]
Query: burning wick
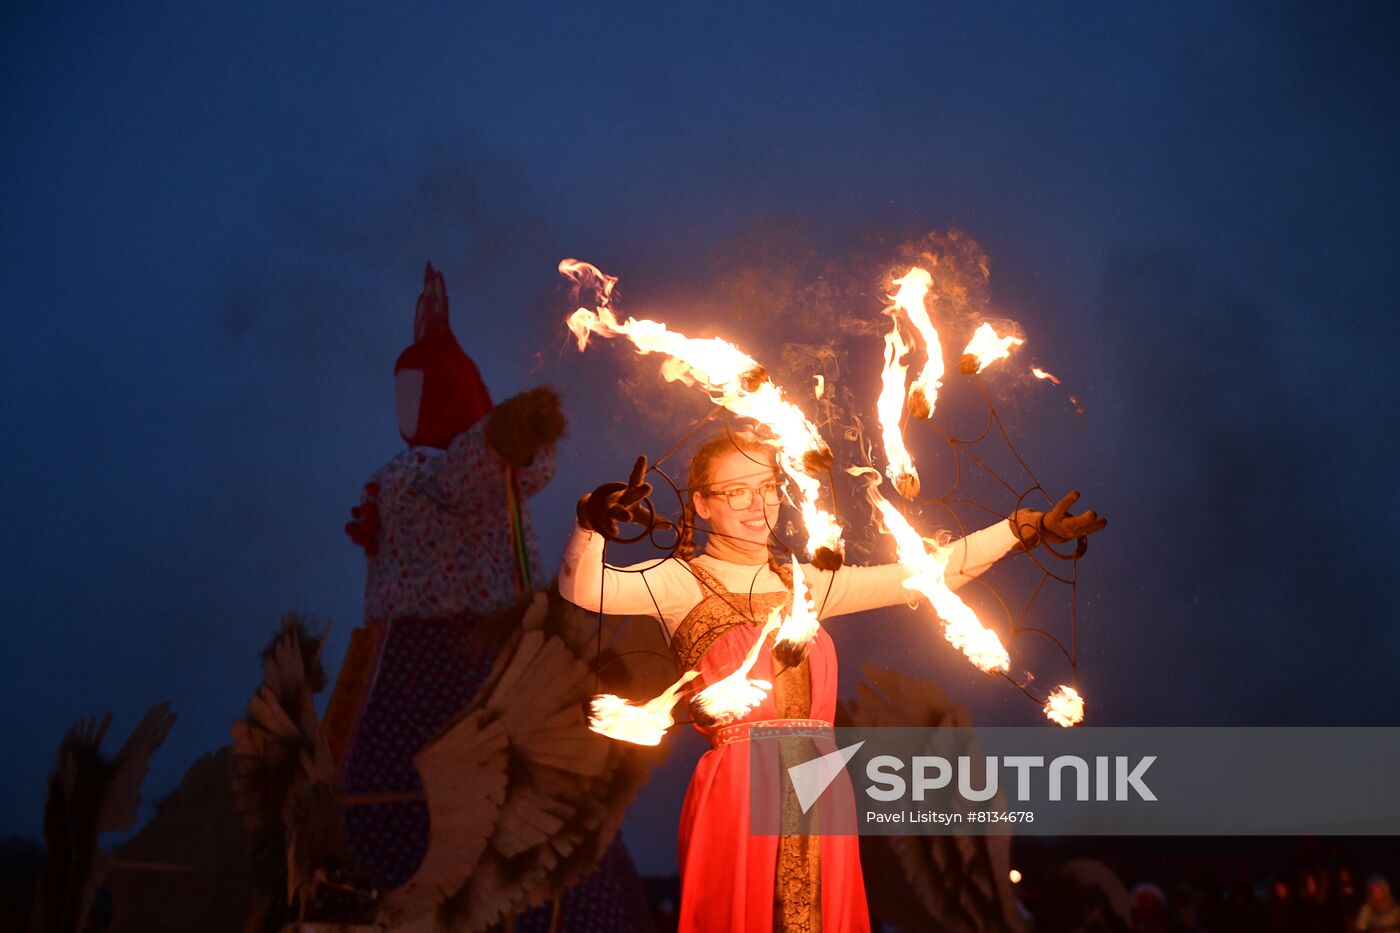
[[919, 406], [985, 348], [1065, 706], [754, 378]]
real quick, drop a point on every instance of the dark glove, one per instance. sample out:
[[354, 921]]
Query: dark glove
[[1055, 526], [522, 426], [613, 504]]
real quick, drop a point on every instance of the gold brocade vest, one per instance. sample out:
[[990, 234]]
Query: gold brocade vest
[[718, 611], [797, 906]]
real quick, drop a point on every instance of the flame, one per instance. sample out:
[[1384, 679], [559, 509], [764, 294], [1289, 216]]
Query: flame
[[801, 626], [923, 391], [986, 347], [912, 291], [1065, 706], [638, 723], [899, 465], [733, 380], [926, 561], [732, 697]]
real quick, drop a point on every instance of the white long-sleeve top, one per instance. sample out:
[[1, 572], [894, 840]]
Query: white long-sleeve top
[[668, 590]]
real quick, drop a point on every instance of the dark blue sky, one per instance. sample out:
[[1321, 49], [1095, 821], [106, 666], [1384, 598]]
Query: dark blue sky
[[215, 222]]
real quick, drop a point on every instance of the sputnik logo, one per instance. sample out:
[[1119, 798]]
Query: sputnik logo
[[810, 778]]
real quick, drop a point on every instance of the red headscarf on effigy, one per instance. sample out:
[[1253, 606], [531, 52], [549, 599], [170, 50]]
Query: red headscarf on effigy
[[438, 392]]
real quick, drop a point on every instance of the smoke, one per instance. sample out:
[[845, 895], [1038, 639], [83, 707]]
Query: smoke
[[809, 307]]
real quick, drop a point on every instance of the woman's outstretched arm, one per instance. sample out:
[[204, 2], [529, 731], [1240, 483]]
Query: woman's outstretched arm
[[855, 589], [664, 590]]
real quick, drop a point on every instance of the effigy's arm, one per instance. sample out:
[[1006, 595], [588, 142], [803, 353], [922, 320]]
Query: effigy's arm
[[856, 589], [535, 475], [518, 435], [522, 430]]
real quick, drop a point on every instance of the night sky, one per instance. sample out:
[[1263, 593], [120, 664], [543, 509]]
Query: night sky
[[215, 222]]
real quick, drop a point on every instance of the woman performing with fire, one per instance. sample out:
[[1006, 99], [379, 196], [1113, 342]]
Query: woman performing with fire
[[713, 604]]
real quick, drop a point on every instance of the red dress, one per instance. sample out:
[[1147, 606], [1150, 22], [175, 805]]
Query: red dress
[[732, 879]]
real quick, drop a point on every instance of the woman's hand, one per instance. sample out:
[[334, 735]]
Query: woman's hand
[[1033, 527], [613, 504]]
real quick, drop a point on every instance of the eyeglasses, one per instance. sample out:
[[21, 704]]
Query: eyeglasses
[[741, 497]]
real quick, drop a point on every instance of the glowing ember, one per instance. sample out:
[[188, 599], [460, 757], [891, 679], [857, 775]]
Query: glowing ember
[[986, 347], [732, 697], [800, 628], [638, 723], [1042, 374], [733, 380], [926, 561], [923, 391], [821, 384], [1065, 706]]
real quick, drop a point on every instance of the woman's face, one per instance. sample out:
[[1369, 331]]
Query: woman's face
[[736, 476]]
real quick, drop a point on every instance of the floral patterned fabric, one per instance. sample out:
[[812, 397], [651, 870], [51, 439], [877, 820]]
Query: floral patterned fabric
[[444, 542]]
